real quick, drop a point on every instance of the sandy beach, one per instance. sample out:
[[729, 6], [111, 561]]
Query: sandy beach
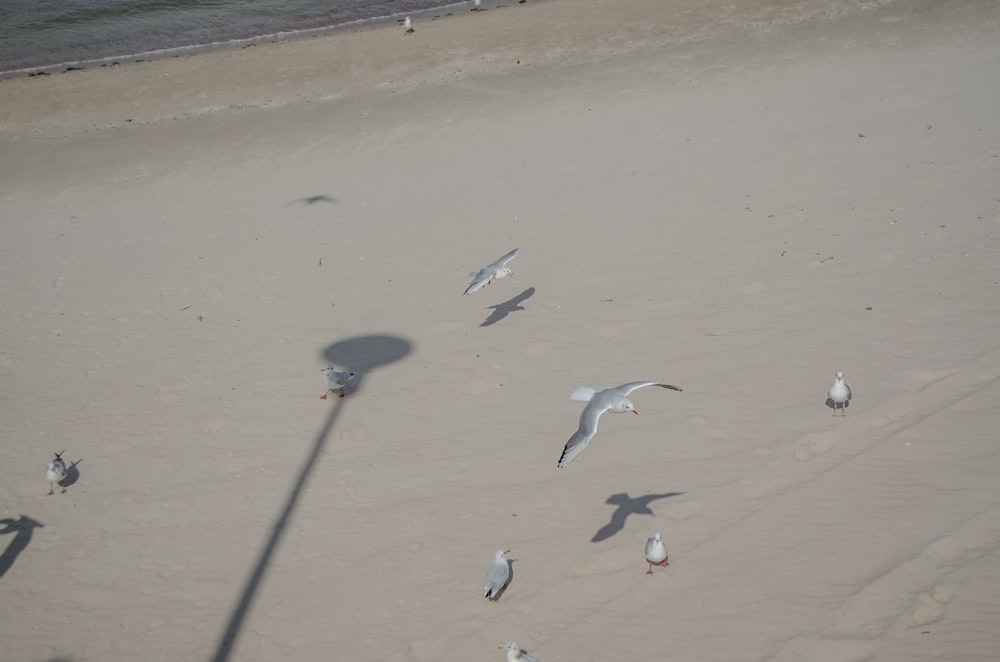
[[736, 198]]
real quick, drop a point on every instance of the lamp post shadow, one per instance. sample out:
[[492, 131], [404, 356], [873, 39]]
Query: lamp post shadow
[[22, 528], [362, 355]]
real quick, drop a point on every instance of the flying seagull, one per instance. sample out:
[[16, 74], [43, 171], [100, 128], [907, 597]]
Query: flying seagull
[[497, 269], [599, 401]]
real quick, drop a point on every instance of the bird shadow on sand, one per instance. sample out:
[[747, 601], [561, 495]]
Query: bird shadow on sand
[[22, 528], [364, 355], [501, 310], [310, 200], [72, 474], [627, 506]]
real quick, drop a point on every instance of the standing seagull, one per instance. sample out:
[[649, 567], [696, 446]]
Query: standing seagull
[[515, 654], [478, 5], [497, 576], [337, 379], [839, 393], [497, 269], [656, 552], [408, 25], [55, 473], [598, 402]]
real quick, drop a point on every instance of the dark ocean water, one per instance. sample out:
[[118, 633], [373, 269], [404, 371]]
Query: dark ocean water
[[38, 35]]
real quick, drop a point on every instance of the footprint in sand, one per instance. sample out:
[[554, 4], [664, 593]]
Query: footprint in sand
[[929, 605], [813, 445]]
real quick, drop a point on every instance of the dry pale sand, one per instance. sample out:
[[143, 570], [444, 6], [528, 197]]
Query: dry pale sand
[[738, 198]]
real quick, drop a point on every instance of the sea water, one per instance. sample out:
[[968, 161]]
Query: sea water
[[47, 35]]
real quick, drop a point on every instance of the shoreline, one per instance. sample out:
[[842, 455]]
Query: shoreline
[[70, 66], [500, 41]]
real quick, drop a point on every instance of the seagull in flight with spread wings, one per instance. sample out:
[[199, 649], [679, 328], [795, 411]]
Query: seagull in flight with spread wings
[[497, 269], [599, 401]]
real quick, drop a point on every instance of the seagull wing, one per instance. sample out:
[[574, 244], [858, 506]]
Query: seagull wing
[[625, 389], [588, 428], [481, 279], [496, 577], [490, 271], [502, 262]]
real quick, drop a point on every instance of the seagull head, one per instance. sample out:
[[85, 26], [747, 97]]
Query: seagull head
[[623, 405], [840, 374]]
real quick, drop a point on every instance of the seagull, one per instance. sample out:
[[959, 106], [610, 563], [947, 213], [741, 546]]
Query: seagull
[[478, 4], [55, 472], [839, 393], [515, 654], [599, 401], [408, 25], [656, 552], [497, 269], [337, 379], [497, 576]]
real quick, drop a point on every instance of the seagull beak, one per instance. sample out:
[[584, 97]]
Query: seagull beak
[[635, 412]]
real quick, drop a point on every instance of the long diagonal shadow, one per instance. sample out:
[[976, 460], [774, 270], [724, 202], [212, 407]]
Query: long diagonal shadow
[[627, 506], [361, 355], [22, 529], [501, 310]]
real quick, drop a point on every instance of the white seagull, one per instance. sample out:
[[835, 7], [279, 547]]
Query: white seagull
[[497, 576], [337, 379], [598, 402], [56, 472], [515, 654], [408, 25], [656, 552], [478, 4], [497, 269], [839, 393]]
